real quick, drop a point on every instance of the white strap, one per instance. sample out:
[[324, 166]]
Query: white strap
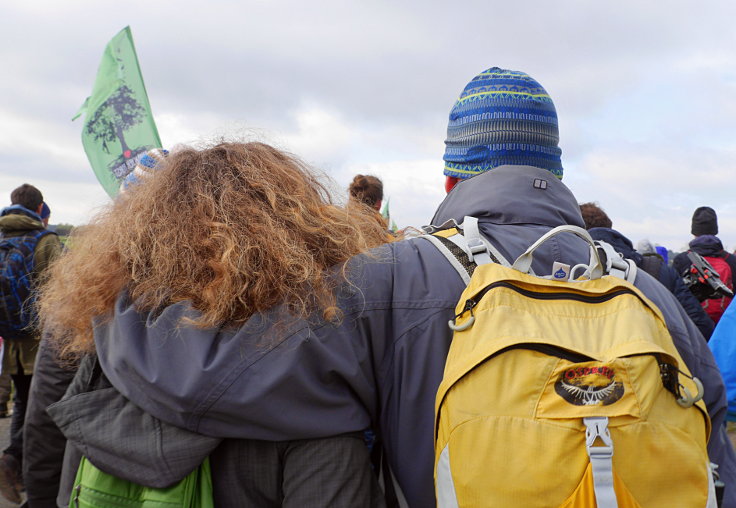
[[472, 235], [631, 275], [616, 264], [601, 460], [475, 248]]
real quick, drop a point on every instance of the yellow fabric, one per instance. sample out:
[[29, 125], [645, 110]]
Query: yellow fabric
[[446, 233], [584, 495], [513, 423]]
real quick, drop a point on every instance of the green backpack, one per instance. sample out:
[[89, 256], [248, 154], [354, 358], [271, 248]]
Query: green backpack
[[94, 488]]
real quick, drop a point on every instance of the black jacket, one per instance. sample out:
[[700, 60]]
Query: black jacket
[[43, 442]]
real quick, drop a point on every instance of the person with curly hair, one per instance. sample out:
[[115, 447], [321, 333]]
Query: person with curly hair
[[234, 229]]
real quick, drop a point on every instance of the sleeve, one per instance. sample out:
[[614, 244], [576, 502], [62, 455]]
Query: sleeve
[[43, 442], [275, 378], [723, 345], [47, 249]]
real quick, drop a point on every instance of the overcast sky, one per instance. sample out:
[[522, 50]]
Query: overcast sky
[[645, 92]]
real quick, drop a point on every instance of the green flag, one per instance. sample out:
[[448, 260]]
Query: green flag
[[387, 215], [118, 124]]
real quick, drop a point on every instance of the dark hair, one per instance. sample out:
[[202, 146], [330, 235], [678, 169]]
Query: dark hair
[[367, 189], [594, 216], [27, 196]]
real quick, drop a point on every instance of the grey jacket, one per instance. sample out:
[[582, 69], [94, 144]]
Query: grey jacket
[[279, 378]]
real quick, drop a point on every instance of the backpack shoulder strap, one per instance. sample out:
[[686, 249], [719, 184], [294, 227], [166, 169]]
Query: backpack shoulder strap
[[465, 248], [455, 255]]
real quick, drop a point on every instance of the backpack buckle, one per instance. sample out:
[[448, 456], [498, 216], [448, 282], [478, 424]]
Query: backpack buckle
[[475, 246], [596, 427]]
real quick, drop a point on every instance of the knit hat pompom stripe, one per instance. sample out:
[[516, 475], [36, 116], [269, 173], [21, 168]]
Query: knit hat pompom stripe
[[502, 117]]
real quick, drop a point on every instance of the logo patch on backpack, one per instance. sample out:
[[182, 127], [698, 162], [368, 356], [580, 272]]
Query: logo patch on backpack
[[589, 386]]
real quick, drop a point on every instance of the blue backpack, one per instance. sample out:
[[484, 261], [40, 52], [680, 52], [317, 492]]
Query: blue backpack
[[16, 297]]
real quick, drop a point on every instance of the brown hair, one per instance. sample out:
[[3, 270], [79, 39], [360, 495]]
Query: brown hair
[[234, 228], [366, 188], [27, 196], [594, 216]]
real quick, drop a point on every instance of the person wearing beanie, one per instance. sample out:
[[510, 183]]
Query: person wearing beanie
[[704, 227], [502, 117], [704, 222], [382, 364]]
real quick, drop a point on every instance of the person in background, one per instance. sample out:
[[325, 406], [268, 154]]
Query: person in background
[[23, 226], [45, 214], [600, 227], [368, 190], [5, 389], [704, 228], [382, 364]]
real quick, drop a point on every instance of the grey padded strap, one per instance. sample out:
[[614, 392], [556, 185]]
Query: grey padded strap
[[472, 234], [601, 460], [450, 257], [474, 245]]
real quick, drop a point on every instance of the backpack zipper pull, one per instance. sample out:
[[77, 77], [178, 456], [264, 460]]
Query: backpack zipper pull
[[469, 305]]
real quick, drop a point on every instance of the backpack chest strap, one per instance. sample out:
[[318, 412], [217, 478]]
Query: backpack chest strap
[[601, 460]]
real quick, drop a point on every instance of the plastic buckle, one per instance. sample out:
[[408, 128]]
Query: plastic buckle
[[476, 245], [597, 427]]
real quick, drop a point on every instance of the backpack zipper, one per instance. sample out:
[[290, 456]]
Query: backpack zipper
[[560, 295]]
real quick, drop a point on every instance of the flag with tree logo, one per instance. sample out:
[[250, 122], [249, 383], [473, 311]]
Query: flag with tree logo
[[118, 124]]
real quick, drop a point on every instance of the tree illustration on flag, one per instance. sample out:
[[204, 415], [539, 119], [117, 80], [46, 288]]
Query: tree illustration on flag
[[119, 126]]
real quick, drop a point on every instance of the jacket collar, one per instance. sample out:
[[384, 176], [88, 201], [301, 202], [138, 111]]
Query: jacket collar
[[20, 209], [512, 195]]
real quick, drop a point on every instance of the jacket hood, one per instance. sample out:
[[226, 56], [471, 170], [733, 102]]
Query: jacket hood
[[617, 241], [706, 245], [511, 195], [19, 219]]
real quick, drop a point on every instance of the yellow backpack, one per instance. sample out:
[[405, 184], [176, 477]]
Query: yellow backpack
[[563, 393]]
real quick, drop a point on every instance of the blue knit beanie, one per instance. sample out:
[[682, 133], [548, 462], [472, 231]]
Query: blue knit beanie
[[502, 117]]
